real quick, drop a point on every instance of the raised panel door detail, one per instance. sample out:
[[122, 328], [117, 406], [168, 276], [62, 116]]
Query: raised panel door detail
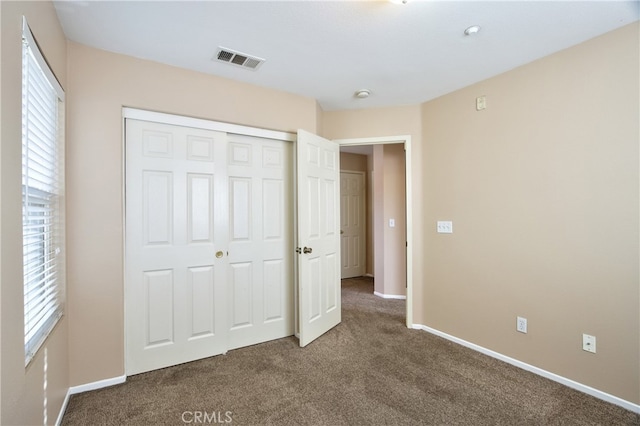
[[329, 213], [344, 208], [344, 249], [241, 295], [274, 280], [158, 207], [313, 155], [273, 209], [200, 282], [332, 286], [200, 148], [273, 158], [157, 144], [356, 215], [313, 192], [200, 208], [354, 252], [240, 154], [240, 208], [314, 299], [329, 160], [158, 286]]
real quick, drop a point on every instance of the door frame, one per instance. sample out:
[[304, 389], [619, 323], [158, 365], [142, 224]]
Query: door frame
[[200, 123], [406, 140]]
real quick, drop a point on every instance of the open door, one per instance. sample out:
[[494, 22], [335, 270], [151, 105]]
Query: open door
[[318, 248]]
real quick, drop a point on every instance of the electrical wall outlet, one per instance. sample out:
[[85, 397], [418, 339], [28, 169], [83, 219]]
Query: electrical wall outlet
[[589, 343], [481, 103], [521, 325], [444, 227]]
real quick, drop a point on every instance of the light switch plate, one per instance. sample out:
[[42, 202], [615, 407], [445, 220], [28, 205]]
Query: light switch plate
[[444, 227], [392, 223]]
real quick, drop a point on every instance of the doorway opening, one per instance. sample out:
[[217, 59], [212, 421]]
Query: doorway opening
[[388, 220]]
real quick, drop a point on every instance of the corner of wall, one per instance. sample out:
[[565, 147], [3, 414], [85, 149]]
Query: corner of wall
[[319, 120]]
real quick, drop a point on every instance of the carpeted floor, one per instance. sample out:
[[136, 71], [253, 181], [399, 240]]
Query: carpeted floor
[[369, 370]]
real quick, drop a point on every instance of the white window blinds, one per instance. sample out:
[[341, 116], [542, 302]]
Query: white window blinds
[[42, 196]]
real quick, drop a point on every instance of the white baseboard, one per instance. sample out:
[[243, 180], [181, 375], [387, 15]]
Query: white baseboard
[[539, 371], [97, 385], [85, 388], [63, 409], [390, 296], [368, 275]]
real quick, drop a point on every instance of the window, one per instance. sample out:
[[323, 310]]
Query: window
[[42, 196]]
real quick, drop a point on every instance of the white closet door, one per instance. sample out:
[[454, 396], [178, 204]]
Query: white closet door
[[260, 272], [176, 222], [318, 177]]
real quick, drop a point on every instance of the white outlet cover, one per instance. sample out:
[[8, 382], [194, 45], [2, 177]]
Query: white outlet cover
[[521, 325], [444, 227], [481, 103], [589, 343]]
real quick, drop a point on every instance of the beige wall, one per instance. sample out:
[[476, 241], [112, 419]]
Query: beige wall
[[353, 162], [388, 192], [370, 241], [22, 395], [377, 190], [542, 188], [395, 251], [100, 84]]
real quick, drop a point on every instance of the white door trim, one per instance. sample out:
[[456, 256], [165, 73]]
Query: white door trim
[[406, 140], [199, 123]]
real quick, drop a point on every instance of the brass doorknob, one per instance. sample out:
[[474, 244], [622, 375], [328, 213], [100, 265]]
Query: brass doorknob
[[219, 254]]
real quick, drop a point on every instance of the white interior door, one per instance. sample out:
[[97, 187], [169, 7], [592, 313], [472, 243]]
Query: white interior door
[[318, 174], [176, 223], [260, 270], [352, 224]]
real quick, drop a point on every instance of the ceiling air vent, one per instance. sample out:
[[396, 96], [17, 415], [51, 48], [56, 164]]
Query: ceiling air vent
[[236, 58]]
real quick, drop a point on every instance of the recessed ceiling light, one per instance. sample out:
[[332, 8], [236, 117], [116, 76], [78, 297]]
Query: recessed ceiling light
[[472, 30], [363, 93]]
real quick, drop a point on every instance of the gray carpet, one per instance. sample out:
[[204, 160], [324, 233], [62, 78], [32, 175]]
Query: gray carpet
[[369, 370]]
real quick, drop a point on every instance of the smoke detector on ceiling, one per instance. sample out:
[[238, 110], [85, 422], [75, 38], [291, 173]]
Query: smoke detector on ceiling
[[238, 58], [362, 93], [474, 29]]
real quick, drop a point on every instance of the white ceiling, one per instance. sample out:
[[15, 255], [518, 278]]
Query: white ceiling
[[404, 54]]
